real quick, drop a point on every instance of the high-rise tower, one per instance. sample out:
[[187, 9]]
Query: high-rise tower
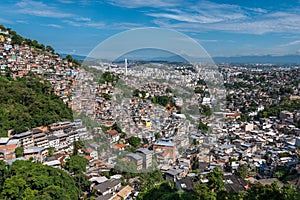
[[125, 66]]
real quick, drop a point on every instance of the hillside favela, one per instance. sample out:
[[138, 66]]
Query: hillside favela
[[158, 100]]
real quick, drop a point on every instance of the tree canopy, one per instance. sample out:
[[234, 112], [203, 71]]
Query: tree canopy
[[134, 141], [28, 102], [76, 164], [27, 180]]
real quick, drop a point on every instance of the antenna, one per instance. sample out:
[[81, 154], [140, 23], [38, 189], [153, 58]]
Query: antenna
[[125, 66]]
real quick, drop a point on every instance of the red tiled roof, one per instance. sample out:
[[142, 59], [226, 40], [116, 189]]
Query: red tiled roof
[[112, 132], [233, 114], [89, 151], [8, 147], [164, 154], [119, 146], [88, 158]]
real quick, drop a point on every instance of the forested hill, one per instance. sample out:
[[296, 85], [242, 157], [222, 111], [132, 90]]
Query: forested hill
[[28, 102], [28, 180], [27, 99]]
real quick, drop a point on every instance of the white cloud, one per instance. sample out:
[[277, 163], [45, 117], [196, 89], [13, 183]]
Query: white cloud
[[5, 21], [186, 17], [207, 16], [86, 24], [208, 41], [291, 43], [54, 25], [113, 26], [124, 26], [40, 9], [144, 3], [95, 24], [22, 22], [72, 23], [66, 1], [85, 19], [258, 10], [203, 12]]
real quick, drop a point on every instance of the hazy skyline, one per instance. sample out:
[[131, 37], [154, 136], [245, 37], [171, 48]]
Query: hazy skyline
[[223, 28]]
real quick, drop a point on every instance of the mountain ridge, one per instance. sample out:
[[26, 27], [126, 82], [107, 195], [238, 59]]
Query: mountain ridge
[[249, 59]]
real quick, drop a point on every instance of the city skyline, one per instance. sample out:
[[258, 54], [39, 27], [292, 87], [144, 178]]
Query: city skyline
[[223, 28]]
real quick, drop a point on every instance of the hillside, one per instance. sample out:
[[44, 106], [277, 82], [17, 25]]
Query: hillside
[[28, 180], [35, 83], [26, 103]]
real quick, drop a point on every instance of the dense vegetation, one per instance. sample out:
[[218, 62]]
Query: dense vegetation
[[27, 180], [154, 187], [108, 77], [275, 109], [203, 127], [28, 102], [138, 93], [162, 100]]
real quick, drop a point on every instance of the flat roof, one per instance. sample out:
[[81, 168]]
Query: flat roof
[[22, 134], [60, 135], [4, 140], [13, 141], [33, 149], [52, 163], [144, 151], [134, 156], [161, 143]]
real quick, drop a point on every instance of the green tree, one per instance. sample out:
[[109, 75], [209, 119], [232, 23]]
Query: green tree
[[290, 192], [55, 192], [134, 141], [25, 180], [29, 102], [150, 179], [69, 58], [77, 144], [106, 96], [205, 110], [49, 49], [13, 187], [2, 172], [262, 192], [116, 127], [82, 182], [165, 191], [242, 171], [203, 127], [30, 194], [215, 180], [76, 164], [203, 192], [19, 152], [15, 38], [50, 151]]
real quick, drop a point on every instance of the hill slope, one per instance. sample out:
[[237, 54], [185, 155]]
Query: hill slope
[[27, 102]]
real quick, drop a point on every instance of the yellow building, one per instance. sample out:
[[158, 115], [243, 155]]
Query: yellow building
[[146, 122], [2, 38]]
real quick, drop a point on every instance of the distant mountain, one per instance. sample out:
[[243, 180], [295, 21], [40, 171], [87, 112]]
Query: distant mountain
[[77, 57], [151, 55], [170, 59], [266, 59]]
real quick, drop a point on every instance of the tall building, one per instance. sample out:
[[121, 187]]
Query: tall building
[[126, 66], [146, 154]]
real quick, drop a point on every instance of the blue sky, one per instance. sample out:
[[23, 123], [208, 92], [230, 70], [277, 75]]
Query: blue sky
[[223, 28]]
